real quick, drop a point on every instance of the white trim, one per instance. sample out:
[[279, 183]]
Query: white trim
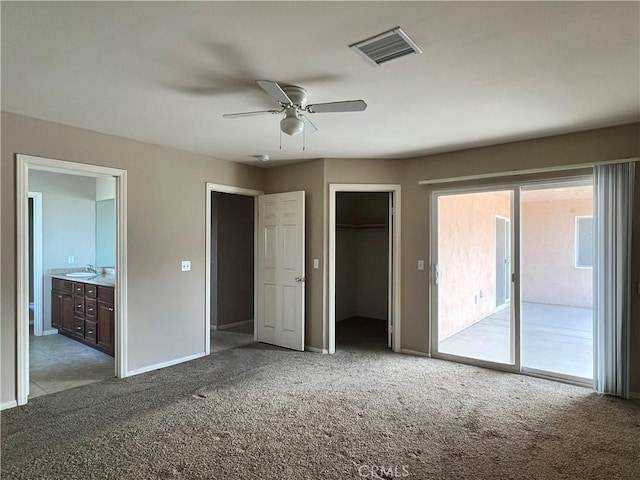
[[227, 326], [527, 171], [10, 404], [38, 274], [323, 351], [396, 319], [216, 187], [51, 331], [24, 163], [169, 363], [415, 353]]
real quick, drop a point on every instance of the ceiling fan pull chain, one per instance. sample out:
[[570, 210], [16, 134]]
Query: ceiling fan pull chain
[[304, 139], [280, 139]]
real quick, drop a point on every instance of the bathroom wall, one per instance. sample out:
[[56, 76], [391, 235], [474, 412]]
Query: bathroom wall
[[68, 225]]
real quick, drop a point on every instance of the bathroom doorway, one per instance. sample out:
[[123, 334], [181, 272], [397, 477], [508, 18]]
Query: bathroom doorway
[[90, 312]]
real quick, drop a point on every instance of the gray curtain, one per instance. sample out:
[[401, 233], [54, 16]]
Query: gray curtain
[[612, 276]]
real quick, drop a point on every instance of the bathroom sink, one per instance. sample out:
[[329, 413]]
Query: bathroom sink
[[81, 274]]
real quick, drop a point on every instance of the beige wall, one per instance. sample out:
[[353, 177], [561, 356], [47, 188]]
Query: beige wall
[[467, 258], [233, 217], [166, 224], [579, 148], [549, 274]]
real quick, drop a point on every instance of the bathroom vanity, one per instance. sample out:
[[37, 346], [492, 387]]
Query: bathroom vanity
[[83, 309]]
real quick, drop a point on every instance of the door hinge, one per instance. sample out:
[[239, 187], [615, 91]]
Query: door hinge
[[513, 277]]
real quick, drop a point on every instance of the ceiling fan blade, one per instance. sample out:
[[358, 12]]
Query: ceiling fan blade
[[308, 126], [273, 89], [250, 114], [347, 106]]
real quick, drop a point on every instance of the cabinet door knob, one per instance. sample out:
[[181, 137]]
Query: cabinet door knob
[[90, 332], [78, 328], [111, 309]]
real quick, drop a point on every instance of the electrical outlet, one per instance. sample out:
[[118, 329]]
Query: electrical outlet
[[71, 260], [186, 265], [420, 264]]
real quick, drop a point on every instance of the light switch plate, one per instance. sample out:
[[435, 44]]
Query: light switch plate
[[420, 264], [71, 260], [186, 265], [316, 263]]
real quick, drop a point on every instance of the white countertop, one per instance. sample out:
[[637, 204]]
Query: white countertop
[[104, 279]]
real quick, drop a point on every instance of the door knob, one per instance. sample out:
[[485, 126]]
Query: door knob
[[299, 279]]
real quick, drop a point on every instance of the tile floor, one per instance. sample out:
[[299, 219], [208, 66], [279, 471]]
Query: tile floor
[[555, 338], [58, 363]]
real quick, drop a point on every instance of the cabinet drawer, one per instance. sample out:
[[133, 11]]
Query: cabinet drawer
[[90, 307], [78, 289], [90, 329], [78, 305], [78, 327], [63, 286], [105, 294], [90, 291]]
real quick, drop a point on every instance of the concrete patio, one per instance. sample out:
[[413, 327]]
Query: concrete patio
[[555, 338]]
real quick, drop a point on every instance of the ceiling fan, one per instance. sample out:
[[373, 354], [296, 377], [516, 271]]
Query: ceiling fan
[[293, 103]]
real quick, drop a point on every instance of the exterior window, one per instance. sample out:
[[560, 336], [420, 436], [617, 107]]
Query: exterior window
[[584, 242]]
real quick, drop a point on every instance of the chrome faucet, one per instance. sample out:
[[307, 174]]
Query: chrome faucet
[[91, 268]]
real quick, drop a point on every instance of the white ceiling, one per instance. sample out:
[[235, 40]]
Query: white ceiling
[[165, 72]]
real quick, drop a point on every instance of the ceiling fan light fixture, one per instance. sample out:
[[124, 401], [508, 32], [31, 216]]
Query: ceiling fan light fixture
[[291, 125]]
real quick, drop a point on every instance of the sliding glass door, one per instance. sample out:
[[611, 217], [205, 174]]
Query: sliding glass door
[[513, 278], [474, 309], [557, 279]]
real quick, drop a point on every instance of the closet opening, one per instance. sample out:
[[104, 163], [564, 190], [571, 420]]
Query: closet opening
[[363, 253]]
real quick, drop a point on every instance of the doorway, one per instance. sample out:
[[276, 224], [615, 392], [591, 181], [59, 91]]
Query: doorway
[[230, 267], [362, 270], [232, 270], [28, 166], [364, 258]]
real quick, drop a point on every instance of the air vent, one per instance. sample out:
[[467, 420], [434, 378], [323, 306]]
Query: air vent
[[386, 47]]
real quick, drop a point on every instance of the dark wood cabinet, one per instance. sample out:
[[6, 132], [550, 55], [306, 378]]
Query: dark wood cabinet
[[62, 309], [84, 312]]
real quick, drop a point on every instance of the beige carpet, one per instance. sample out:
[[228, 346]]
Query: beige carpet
[[261, 412]]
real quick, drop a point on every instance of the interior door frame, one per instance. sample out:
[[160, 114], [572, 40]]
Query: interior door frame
[[25, 163], [37, 270], [247, 192], [395, 273]]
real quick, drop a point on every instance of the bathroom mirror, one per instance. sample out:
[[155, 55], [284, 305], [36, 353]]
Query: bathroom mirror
[[106, 233]]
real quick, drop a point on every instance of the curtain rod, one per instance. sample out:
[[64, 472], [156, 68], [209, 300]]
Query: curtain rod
[[510, 173]]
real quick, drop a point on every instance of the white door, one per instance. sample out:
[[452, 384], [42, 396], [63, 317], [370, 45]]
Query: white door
[[281, 270]]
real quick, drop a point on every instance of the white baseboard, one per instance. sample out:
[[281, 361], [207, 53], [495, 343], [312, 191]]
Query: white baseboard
[[170, 363], [53, 331], [11, 404], [324, 351], [414, 352], [227, 326]]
